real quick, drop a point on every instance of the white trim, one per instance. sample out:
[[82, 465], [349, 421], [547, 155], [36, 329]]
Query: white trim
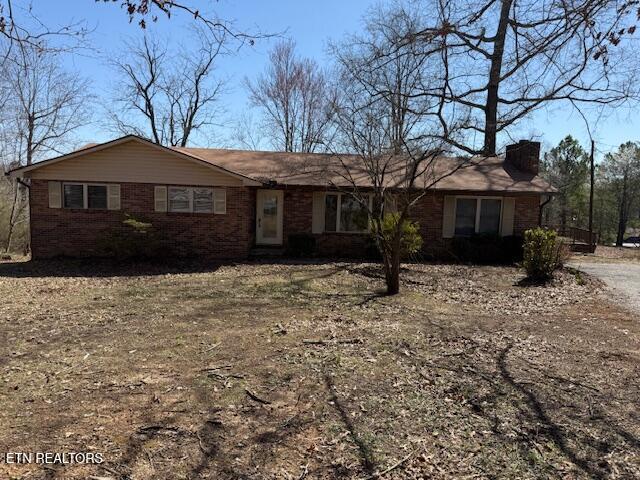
[[247, 181], [478, 199]]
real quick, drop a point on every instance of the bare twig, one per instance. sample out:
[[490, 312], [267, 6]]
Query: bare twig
[[308, 341], [256, 398], [392, 467]]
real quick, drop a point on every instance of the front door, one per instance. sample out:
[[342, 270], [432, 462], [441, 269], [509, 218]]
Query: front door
[[269, 217]]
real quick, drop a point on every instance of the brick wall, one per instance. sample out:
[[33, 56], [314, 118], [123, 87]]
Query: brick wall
[[77, 232], [527, 214], [298, 211], [70, 232]]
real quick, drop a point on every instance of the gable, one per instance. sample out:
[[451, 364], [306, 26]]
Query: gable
[[134, 161]]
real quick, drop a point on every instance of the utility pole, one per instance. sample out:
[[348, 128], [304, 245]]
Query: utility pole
[[593, 147]]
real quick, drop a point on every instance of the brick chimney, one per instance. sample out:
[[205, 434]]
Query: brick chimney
[[524, 155]]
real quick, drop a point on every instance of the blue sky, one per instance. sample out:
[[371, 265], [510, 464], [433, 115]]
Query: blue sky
[[310, 24]]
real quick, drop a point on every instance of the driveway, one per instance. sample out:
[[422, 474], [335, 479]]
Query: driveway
[[622, 278]]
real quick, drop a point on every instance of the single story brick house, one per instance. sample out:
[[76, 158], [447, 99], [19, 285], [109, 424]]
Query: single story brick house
[[222, 204]]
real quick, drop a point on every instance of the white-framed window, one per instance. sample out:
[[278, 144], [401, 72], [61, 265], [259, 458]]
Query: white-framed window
[[180, 199], [196, 199], [203, 200], [343, 213], [91, 196], [478, 215]]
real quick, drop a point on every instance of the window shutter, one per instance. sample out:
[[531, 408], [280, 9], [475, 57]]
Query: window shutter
[[449, 217], [219, 201], [55, 195], [317, 224], [508, 214], [113, 197], [160, 198], [390, 203]]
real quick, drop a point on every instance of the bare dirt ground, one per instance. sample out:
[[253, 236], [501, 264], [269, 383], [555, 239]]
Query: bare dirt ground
[[292, 371]]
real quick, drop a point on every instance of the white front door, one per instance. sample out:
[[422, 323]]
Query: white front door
[[269, 217]]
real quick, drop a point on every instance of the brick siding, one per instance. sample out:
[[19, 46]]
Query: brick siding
[[527, 214], [71, 232], [56, 232], [427, 212]]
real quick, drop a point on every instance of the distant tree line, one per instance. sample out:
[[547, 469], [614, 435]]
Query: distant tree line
[[616, 213]]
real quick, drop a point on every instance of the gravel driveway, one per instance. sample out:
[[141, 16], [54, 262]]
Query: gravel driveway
[[622, 278]]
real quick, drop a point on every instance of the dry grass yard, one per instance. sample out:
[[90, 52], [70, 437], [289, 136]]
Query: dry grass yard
[[612, 255], [293, 371]]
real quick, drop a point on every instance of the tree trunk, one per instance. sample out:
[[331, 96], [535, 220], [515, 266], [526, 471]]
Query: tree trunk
[[392, 275], [11, 218], [563, 214], [392, 265], [622, 217], [591, 187], [622, 228], [491, 107]]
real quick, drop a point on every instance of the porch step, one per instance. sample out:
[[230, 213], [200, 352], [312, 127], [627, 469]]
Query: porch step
[[266, 252]]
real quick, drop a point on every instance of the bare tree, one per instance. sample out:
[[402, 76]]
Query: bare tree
[[503, 59], [295, 96], [394, 136], [21, 28], [167, 97], [245, 133], [45, 106]]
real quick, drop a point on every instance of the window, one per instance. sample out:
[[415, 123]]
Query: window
[[179, 199], [489, 216], [353, 216], [73, 195], [477, 215], [86, 195], [196, 199], [343, 213], [330, 213], [203, 200], [97, 196], [466, 216]]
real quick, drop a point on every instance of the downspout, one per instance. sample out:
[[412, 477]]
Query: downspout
[[542, 205]]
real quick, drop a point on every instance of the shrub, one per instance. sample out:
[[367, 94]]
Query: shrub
[[301, 245], [411, 240], [544, 253], [136, 239], [488, 249]]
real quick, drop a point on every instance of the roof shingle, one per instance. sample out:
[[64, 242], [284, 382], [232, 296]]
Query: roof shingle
[[314, 169]]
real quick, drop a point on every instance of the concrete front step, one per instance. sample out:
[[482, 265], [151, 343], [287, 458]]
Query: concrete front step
[[266, 252]]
